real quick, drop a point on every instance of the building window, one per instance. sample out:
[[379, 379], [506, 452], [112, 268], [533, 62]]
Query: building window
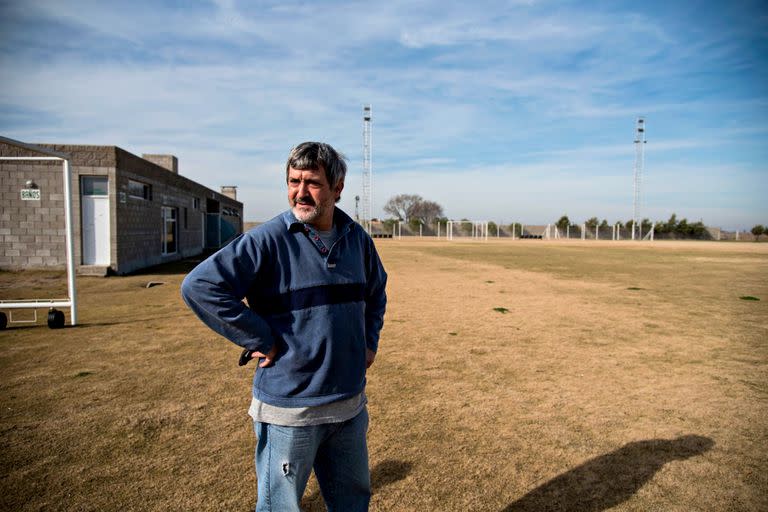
[[95, 185], [196, 203], [139, 190], [186, 225], [170, 229]]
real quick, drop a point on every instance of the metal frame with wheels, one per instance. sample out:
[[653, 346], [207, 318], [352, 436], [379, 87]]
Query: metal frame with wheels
[[55, 316]]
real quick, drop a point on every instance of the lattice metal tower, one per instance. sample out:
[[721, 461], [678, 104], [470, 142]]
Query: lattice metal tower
[[639, 157], [367, 213]]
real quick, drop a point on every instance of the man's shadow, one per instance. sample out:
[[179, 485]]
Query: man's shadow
[[383, 474], [611, 479]]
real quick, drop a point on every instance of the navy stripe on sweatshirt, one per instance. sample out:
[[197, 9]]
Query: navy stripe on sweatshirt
[[312, 297]]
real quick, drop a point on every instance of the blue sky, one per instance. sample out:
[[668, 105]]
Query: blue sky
[[505, 111]]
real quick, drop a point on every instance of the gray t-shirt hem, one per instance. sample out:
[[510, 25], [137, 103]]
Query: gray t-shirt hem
[[335, 412]]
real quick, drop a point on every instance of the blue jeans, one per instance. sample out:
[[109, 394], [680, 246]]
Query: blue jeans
[[285, 456]]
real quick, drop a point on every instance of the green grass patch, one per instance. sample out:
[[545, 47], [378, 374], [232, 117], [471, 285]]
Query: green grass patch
[[634, 288], [501, 310], [82, 374], [748, 297]]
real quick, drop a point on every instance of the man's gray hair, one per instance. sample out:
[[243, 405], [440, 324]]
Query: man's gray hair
[[313, 155]]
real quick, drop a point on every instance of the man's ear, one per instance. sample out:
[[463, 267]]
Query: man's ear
[[337, 190]]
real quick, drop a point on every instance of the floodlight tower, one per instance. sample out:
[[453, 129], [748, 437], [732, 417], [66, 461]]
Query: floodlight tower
[[639, 145], [367, 170]]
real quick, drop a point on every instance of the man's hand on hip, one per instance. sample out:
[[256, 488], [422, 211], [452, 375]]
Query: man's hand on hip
[[269, 357]]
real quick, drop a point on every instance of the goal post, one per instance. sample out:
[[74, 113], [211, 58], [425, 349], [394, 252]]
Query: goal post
[[475, 229], [71, 300]]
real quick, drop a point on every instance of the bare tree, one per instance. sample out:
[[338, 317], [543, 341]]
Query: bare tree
[[402, 205], [426, 211], [413, 207]]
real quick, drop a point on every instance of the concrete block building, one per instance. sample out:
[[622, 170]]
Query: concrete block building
[[128, 212]]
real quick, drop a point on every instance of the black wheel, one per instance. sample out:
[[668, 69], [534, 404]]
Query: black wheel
[[55, 319], [3, 320]]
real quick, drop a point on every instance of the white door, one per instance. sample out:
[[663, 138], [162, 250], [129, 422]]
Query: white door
[[95, 217]]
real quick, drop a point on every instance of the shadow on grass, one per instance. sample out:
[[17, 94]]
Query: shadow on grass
[[179, 267], [606, 481], [383, 474]]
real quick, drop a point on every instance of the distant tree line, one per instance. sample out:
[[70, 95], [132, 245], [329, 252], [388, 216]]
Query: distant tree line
[[672, 228], [416, 211]]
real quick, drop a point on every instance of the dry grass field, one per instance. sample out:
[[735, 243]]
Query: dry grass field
[[512, 376]]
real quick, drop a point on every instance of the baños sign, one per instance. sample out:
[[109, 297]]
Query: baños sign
[[30, 194]]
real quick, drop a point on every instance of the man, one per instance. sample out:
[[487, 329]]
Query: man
[[315, 288]]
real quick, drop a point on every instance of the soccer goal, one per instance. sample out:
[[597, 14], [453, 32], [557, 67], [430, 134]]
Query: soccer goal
[[55, 316], [474, 229]]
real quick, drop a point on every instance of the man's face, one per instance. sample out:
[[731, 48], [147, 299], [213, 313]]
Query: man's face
[[311, 197]]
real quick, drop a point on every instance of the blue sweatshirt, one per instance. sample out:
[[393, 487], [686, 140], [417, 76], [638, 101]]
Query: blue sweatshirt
[[322, 306]]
